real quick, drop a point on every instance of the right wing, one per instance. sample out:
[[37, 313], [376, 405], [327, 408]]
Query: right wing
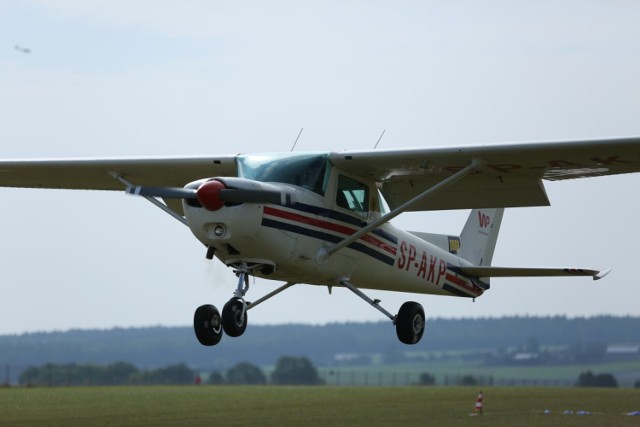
[[97, 174]]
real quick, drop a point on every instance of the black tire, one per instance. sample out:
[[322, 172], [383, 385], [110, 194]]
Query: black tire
[[233, 323], [207, 325], [410, 323]]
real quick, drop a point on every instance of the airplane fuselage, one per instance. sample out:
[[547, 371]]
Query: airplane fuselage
[[285, 240]]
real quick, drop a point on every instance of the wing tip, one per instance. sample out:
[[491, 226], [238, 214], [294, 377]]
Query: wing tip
[[601, 274]]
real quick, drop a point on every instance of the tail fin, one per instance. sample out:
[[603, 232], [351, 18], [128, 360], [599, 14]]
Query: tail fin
[[479, 236]]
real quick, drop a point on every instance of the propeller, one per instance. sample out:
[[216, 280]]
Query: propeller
[[213, 194], [163, 192]]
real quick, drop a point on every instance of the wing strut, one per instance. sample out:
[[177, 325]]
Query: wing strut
[[324, 253], [153, 200], [373, 303]]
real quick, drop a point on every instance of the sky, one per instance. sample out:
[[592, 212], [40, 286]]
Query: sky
[[116, 78]]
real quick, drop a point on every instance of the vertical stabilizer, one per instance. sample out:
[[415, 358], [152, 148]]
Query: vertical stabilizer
[[479, 235]]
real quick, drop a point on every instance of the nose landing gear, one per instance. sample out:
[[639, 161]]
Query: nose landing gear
[[208, 324], [234, 312]]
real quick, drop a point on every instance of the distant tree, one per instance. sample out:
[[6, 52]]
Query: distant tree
[[588, 379], [295, 371], [468, 380], [173, 374], [215, 378], [30, 376], [636, 384], [606, 380], [73, 375], [120, 373], [246, 373], [427, 379]]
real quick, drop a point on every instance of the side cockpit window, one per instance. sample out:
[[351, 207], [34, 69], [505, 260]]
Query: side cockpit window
[[352, 195]]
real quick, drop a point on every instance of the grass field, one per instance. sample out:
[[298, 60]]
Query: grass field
[[311, 406]]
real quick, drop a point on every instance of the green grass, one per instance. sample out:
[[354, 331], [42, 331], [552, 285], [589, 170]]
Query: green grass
[[310, 406]]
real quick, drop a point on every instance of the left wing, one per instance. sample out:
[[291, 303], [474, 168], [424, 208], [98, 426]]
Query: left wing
[[510, 174], [489, 271]]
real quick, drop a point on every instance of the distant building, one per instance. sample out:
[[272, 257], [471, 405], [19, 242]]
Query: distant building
[[525, 357], [623, 352]]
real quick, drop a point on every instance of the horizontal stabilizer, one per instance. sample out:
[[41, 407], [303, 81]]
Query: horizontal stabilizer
[[532, 272]]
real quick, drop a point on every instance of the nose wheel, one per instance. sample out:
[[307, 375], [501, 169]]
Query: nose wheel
[[208, 324], [234, 317]]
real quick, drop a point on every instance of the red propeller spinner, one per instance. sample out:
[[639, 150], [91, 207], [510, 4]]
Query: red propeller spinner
[[208, 195]]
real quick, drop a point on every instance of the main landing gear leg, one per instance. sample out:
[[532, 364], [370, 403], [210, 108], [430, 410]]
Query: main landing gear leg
[[234, 312], [409, 321]]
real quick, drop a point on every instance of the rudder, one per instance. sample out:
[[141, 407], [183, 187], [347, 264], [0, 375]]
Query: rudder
[[479, 235]]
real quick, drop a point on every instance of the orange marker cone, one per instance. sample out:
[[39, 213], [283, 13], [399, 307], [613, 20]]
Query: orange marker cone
[[478, 408]]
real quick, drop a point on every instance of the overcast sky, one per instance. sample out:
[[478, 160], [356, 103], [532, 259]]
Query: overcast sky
[[116, 78]]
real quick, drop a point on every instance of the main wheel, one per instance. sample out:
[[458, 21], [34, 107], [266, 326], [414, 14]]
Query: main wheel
[[233, 322], [410, 323], [207, 325]]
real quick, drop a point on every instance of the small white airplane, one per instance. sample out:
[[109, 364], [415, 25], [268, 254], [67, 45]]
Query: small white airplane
[[322, 218]]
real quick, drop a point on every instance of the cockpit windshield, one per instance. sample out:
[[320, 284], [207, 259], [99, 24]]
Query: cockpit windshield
[[310, 171]]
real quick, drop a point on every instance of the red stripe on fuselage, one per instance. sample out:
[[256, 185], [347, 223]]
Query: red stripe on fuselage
[[460, 282], [329, 226]]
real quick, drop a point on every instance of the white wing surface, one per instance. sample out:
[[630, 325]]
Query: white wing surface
[[96, 174], [490, 271], [510, 174]]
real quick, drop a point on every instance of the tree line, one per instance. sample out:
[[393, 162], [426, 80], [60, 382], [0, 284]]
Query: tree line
[[119, 373], [152, 348], [585, 379], [288, 371]]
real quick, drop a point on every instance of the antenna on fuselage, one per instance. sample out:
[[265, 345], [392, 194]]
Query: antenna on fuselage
[[297, 138], [381, 135]]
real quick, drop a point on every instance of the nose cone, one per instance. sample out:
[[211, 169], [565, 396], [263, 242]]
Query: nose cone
[[208, 195]]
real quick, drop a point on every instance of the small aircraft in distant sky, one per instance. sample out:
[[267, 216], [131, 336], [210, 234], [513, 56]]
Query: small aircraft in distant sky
[[22, 49], [322, 218]]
